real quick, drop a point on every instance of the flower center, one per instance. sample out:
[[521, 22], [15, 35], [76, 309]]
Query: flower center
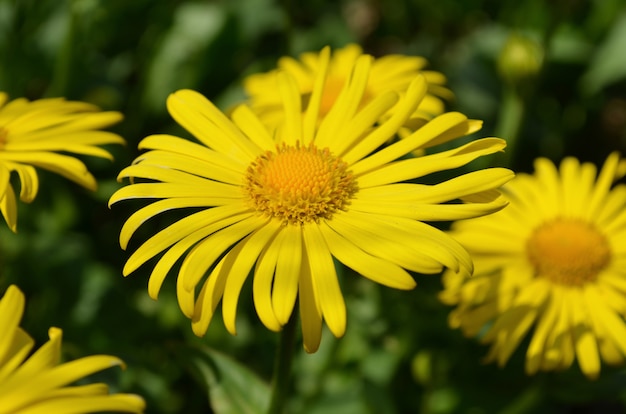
[[299, 184], [568, 251]]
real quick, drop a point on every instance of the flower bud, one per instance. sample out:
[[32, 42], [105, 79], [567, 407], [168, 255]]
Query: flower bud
[[520, 59]]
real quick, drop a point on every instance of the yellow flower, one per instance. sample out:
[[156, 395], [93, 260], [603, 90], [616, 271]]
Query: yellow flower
[[33, 133], [388, 73], [283, 205], [39, 383], [555, 260]]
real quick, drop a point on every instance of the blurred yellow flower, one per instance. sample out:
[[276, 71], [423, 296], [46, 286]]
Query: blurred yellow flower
[[387, 73], [33, 133], [39, 383], [286, 203], [555, 259]]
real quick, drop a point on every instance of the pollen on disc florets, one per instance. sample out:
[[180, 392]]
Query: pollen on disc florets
[[568, 251], [299, 184]]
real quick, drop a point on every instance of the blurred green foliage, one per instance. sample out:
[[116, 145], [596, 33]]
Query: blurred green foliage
[[398, 355]]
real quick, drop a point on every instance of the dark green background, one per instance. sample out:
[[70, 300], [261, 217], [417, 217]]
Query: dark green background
[[398, 355]]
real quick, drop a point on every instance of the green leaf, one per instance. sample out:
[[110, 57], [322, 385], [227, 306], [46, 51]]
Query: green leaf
[[232, 387], [178, 62], [609, 63]]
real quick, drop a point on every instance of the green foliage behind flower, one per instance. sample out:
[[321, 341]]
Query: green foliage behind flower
[[398, 354]]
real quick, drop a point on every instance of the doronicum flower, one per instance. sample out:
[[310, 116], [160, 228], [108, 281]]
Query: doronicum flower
[[39, 383], [551, 263], [36, 134], [282, 204], [388, 73]]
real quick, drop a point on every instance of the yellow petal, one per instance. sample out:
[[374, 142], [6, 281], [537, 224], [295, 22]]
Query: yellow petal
[[41, 125], [374, 268], [288, 265], [19, 350], [291, 131], [310, 312], [191, 165], [401, 112], [200, 117], [76, 149], [511, 327], [427, 212], [602, 186], [311, 114], [209, 297], [262, 285], [457, 187], [204, 254], [610, 351], [29, 182], [610, 321], [127, 403], [8, 207], [238, 264], [11, 311], [547, 320], [418, 167], [187, 302], [450, 123], [248, 122], [337, 120], [66, 166], [584, 340], [145, 213], [175, 190], [171, 256], [209, 220], [376, 240], [176, 145], [325, 283], [608, 214]]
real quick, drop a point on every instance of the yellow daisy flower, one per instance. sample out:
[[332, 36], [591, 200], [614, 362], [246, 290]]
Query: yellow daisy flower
[[555, 260], [283, 204], [388, 73], [33, 133], [39, 383]]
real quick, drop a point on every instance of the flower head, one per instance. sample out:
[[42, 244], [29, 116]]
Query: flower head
[[554, 260], [39, 383], [283, 204], [388, 73], [35, 134]]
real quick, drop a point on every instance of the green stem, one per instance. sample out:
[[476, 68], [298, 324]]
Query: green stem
[[527, 402], [282, 366], [510, 122], [64, 59]]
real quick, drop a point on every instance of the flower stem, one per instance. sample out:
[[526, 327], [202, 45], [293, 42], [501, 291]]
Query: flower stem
[[65, 57], [282, 366], [509, 125]]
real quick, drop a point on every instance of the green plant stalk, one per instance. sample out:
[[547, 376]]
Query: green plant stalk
[[282, 366], [64, 59], [528, 400], [510, 121]]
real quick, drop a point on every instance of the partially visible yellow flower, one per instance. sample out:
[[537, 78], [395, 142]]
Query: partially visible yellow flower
[[39, 383], [553, 262], [283, 204], [388, 73], [35, 134]]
